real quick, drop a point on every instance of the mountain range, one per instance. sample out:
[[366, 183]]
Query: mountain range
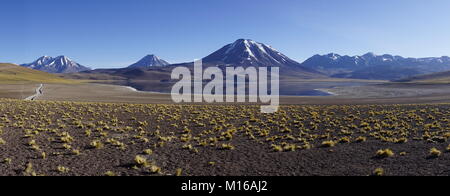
[[60, 64], [380, 67], [246, 52]]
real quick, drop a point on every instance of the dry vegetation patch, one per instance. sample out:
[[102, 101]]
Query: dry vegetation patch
[[67, 138]]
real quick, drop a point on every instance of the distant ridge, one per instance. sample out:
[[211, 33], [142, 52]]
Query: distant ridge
[[371, 66]]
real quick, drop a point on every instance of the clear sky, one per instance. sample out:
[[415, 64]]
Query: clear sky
[[116, 33]]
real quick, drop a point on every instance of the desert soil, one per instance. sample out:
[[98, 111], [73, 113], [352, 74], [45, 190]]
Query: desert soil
[[66, 138]]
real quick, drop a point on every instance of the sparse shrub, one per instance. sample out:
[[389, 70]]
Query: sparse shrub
[[97, 144], [385, 153], [154, 169], [360, 139], [62, 169], [110, 173], [179, 172], [148, 151], [139, 160], [76, 152], [227, 147], [29, 170], [67, 146], [344, 140], [7, 161], [32, 142], [378, 172], [327, 144], [401, 140], [290, 147], [435, 153], [66, 138], [277, 148], [447, 135]]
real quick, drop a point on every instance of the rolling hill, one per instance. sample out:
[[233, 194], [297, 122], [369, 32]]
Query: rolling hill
[[11, 74]]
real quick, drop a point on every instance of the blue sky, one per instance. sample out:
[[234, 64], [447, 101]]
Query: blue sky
[[116, 33]]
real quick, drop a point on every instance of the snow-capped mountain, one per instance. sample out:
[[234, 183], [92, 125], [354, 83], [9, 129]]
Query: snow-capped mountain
[[245, 52], [371, 66], [60, 64], [149, 61]]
